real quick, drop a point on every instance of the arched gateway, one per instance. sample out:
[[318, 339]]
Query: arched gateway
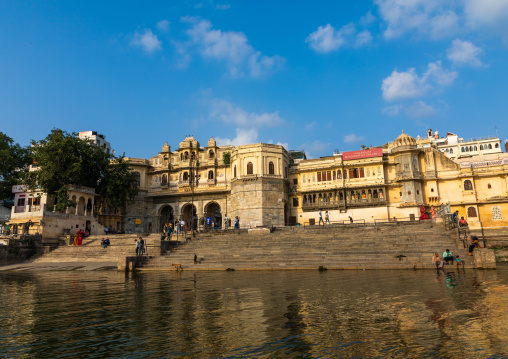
[[213, 211], [188, 211], [166, 216]]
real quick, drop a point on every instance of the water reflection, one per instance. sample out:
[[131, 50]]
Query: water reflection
[[398, 314]]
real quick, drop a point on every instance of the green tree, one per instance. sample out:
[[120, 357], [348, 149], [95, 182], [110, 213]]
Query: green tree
[[226, 158], [14, 161], [64, 159]]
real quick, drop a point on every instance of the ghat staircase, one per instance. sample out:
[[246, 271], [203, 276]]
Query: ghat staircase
[[343, 247]]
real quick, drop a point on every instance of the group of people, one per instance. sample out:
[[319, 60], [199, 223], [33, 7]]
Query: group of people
[[458, 222], [140, 246], [450, 259], [78, 238]]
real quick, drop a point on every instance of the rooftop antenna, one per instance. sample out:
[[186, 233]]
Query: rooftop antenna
[[496, 131]]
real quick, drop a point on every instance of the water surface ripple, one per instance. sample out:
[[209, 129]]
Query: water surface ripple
[[266, 314]]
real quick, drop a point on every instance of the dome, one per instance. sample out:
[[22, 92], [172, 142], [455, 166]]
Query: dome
[[189, 142], [404, 140]]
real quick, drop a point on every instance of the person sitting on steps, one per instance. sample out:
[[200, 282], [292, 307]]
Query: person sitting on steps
[[459, 262], [448, 257]]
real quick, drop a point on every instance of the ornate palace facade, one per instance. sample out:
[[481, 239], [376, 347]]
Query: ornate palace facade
[[264, 185]]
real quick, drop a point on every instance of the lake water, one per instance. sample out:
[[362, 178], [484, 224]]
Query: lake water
[[279, 314]]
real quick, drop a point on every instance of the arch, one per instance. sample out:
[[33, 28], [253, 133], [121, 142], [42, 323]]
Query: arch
[[188, 214], [89, 207], [72, 210], [462, 149], [489, 186], [341, 196], [250, 168], [369, 194], [166, 216], [468, 185], [490, 146], [381, 195], [181, 156], [211, 154], [164, 179], [186, 155], [476, 148], [271, 168], [375, 194], [497, 145], [471, 212], [213, 210], [81, 206], [451, 150], [210, 175], [481, 147], [471, 148], [137, 178]]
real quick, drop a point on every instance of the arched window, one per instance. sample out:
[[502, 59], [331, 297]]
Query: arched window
[[475, 148], [489, 186], [490, 146], [334, 175], [381, 195], [211, 154], [341, 196], [375, 195], [271, 168], [481, 147], [250, 168], [137, 178], [471, 212], [164, 179], [451, 150], [186, 155], [468, 185], [497, 145], [234, 171], [185, 176], [462, 149], [210, 175], [304, 199], [193, 156]]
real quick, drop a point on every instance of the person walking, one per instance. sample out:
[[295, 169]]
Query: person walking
[[327, 217], [237, 223], [137, 246], [321, 218], [226, 222]]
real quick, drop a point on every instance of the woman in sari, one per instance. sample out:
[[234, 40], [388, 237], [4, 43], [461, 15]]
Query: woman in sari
[[80, 237]]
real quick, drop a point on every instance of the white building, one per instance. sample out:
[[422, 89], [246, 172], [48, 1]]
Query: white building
[[99, 140], [455, 147]]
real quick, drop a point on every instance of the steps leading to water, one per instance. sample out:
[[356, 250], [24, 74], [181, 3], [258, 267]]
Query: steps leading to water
[[404, 246]]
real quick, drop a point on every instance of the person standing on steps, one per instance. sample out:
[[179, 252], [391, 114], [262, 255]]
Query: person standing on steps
[[226, 222], [195, 258], [321, 218], [350, 219], [237, 223], [137, 246]]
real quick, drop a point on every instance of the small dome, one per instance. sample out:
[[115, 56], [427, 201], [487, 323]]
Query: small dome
[[212, 142], [189, 142], [404, 140], [166, 148]]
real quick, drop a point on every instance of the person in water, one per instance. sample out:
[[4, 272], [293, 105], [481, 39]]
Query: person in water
[[459, 261]]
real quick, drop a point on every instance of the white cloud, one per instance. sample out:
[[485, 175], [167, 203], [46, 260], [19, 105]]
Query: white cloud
[[243, 137], [314, 147], [363, 38], [403, 85], [367, 19], [326, 38], [230, 47], [353, 138], [486, 12], [222, 6], [147, 41], [232, 114], [392, 110], [420, 109], [434, 18], [311, 125], [464, 53], [163, 25]]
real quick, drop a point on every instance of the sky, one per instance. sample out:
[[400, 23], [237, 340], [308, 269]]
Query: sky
[[313, 76]]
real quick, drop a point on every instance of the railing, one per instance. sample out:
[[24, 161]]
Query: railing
[[396, 221], [323, 205], [347, 222], [19, 209]]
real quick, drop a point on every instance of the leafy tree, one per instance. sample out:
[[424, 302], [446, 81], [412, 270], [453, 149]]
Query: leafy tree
[[226, 157], [14, 161], [64, 159]]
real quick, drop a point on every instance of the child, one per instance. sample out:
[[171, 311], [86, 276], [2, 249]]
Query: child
[[459, 261]]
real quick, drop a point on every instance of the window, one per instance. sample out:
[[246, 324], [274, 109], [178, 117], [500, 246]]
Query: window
[[339, 174], [344, 172], [468, 185], [481, 147], [496, 213], [37, 201], [186, 155], [250, 168], [295, 202], [471, 212], [21, 202], [329, 176], [417, 192], [462, 149], [362, 173], [319, 176], [381, 195], [295, 181], [211, 154], [234, 171], [210, 175], [432, 189], [375, 194], [489, 186], [409, 193], [271, 168], [185, 176], [451, 150], [193, 156], [490, 146], [497, 145], [137, 178], [400, 193], [164, 179], [475, 148], [334, 176]]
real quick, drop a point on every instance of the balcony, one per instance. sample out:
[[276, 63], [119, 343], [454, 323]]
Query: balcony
[[356, 203]]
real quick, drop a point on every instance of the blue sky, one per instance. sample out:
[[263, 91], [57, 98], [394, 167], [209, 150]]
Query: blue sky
[[318, 78]]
